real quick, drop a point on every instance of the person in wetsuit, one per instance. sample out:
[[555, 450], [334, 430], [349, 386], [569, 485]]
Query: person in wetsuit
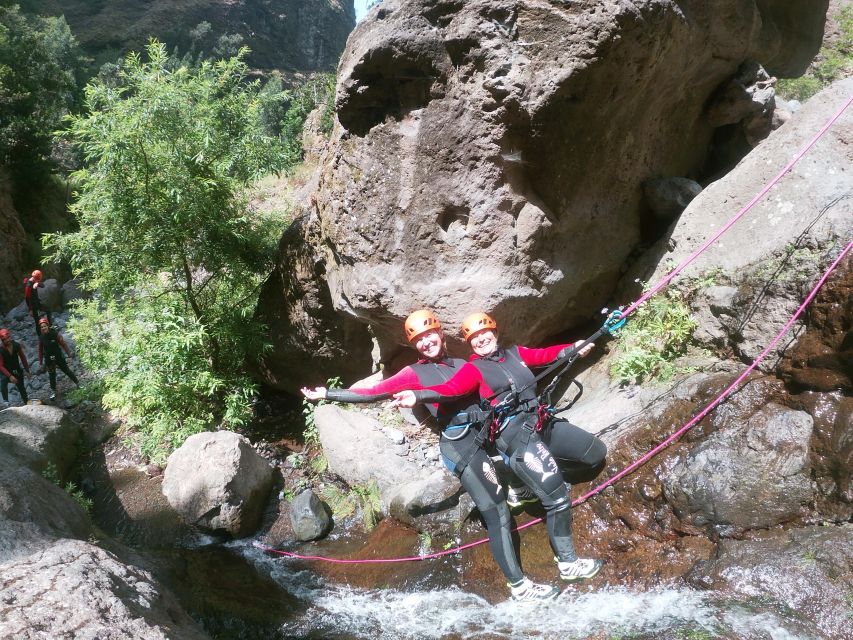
[[51, 346], [31, 297], [505, 374], [460, 447], [12, 357]]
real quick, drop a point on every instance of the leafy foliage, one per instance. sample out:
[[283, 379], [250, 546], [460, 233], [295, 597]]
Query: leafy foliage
[[168, 244], [40, 67], [286, 110], [363, 498], [311, 435], [834, 61], [657, 333]]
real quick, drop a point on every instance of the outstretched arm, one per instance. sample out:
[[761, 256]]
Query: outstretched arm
[[547, 355], [466, 381], [403, 379]]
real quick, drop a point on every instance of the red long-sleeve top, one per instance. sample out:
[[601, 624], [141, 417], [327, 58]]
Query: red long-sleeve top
[[469, 378]]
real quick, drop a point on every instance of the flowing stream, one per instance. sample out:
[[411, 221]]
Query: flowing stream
[[343, 612]]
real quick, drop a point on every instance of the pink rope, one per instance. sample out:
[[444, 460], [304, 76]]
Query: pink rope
[[669, 277], [624, 472]]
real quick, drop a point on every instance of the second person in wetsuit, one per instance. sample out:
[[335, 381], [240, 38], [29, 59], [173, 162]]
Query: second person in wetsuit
[[459, 444], [503, 377], [13, 361], [51, 346]]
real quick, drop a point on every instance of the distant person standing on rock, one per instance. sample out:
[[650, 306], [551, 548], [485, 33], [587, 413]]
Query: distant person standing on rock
[[51, 346], [12, 356], [32, 284]]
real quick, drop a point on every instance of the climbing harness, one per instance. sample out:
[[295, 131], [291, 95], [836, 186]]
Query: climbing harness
[[616, 322]]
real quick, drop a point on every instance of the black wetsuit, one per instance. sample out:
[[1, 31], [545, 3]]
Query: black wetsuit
[[50, 347], [469, 462], [528, 455], [31, 296], [10, 365]]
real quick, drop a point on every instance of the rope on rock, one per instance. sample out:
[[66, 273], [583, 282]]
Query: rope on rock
[[629, 310]]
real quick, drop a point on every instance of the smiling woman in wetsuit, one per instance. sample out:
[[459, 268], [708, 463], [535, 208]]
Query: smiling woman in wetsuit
[[459, 443], [503, 377]]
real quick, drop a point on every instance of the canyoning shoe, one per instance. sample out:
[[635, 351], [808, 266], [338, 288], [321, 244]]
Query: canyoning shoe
[[529, 591], [517, 496], [52, 396], [580, 569]]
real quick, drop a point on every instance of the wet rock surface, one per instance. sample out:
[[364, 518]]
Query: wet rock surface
[[809, 570], [749, 476], [309, 517]]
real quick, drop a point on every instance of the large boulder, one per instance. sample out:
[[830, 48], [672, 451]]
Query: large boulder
[[359, 452], [34, 512], [76, 590], [746, 476], [218, 482], [40, 436], [489, 149]]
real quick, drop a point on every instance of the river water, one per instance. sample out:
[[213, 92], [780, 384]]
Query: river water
[[339, 611]]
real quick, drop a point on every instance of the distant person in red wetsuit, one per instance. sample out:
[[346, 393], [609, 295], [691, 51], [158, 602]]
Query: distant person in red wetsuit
[[51, 346], [505, 373], [12, 357], [31, 296]]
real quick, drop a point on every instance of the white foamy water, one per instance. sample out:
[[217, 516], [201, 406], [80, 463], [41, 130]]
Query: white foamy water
[[341, 611]]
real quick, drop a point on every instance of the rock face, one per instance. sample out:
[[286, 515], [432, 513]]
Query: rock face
[[40, 435], [76, 590], [358, 451], [489, 149], [34, 512], [217, 481], [749, 476], [808, 570], [294, 35], [11, 249], [781, 245]]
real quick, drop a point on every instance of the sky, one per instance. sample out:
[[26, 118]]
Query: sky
[[360, 9]]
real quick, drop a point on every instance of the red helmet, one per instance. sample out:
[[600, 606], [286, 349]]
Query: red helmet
[[477, 322], [4, 334], [420, 322], [44, 321], [37, 275]]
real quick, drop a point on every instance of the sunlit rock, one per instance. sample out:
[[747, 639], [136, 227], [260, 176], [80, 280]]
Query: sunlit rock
[[491, 156], [746, 476], [218, 482], [77, 590], [808, 570]]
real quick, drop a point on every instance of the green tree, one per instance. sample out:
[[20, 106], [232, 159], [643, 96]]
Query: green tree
[[40, 67], [168, 243]]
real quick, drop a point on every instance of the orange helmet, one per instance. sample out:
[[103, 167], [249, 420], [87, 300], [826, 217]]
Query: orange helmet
[[420, 322], [38, 275], [44, 320], [477, 322], [4, 334]]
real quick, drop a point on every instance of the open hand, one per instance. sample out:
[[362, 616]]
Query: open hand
[[404, 399], [584, 348], [317, 393]]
